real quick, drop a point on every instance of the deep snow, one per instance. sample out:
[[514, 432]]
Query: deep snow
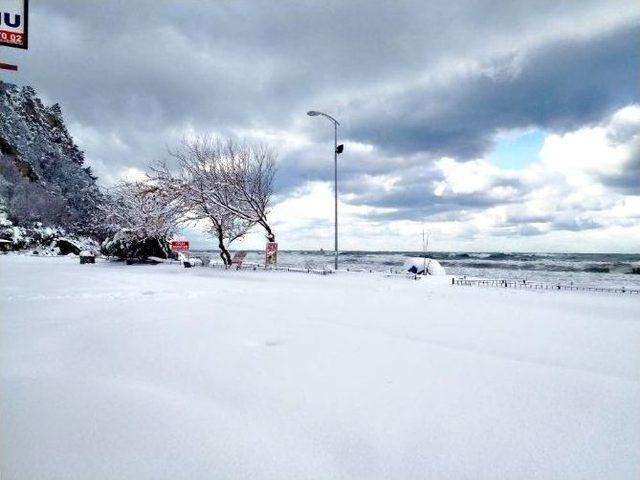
[[160, 372]]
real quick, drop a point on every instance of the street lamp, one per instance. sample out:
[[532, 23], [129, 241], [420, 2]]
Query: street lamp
[[336, 150]]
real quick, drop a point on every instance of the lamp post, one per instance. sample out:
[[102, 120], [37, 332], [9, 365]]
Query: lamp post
[[336, 150]]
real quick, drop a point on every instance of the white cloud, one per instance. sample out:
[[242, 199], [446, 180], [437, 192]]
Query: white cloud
[[409, 82], [560, 202], [471, 177]]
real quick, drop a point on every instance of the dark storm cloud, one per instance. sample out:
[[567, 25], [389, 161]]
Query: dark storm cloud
[[561, 86], [564, 85], [420, 205], [132, 77], [629, 183], [528, 230], [575, 224], [528, 219], [565, 223], [626, 181], [413, 196]]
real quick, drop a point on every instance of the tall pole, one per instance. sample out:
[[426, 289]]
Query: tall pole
[[314, 113], [335, 189]]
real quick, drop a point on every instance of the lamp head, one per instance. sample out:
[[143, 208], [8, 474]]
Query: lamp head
[[313, 113]]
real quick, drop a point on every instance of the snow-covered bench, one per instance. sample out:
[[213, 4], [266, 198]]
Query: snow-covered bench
[[87, 257]]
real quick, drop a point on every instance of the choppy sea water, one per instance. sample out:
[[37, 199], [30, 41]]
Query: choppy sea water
[[589, 269]]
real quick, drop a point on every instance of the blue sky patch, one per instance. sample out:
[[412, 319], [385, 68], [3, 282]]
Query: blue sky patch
[[516, 151]]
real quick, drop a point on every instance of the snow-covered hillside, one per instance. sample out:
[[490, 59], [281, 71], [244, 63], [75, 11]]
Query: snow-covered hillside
[[42, 173], [161, 372]]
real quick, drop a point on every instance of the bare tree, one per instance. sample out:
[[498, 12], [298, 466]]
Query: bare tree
[[203, 185], [251, 174], [226, 183]]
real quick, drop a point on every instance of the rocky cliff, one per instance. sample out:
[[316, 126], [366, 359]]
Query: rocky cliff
[[43, 177], [43, 180]]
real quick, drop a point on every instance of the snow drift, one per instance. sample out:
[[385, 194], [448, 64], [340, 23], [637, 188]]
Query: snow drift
[[111, 372]]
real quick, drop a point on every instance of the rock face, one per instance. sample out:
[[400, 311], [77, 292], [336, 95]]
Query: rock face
[[44, 240], [66, 246], [42, 174]]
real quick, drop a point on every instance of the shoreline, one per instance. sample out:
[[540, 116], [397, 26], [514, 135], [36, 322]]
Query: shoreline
[[511, 280]]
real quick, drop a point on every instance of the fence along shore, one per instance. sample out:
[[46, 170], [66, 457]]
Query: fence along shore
[[539, 286]]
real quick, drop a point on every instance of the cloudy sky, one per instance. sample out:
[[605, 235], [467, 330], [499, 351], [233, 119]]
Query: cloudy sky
[[493, 125]]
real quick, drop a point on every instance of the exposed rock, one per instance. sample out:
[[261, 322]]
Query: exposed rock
[[66, 247]]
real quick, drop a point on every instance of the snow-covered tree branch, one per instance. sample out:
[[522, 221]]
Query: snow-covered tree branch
[[140, 217], [251, 177]]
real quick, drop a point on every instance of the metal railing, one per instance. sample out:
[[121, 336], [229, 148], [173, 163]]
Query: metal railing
[[257, 266], [522, 284]]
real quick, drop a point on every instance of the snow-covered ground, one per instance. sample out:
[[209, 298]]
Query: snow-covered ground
[[159, 372]]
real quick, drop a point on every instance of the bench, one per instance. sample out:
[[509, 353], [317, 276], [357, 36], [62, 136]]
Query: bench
[[237, 259]]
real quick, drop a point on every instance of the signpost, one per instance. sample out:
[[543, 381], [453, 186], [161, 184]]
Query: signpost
[[14, 23], [14, 26], [179, 246], [271, 254]]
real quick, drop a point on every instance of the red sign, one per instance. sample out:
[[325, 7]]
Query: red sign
[[179, 245], [14, 23], [272, 248], [271, 251]]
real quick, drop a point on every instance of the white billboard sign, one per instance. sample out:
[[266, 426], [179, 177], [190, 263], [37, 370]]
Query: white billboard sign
[[14, 23]]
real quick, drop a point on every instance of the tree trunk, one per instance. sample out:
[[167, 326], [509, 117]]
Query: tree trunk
[[162, 245], [224, 253], [270, 235]]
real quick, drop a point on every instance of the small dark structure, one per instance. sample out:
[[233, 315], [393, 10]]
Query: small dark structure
[[87, 257], [5, 245]]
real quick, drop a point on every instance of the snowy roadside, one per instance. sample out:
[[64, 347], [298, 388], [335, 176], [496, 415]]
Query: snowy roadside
[[114, 371]]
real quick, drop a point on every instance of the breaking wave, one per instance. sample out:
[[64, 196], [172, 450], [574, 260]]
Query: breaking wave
[[625, 268]]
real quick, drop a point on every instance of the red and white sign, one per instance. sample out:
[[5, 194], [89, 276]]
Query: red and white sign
[[14, 23], [271, 254], [179, 245], [272, 248]]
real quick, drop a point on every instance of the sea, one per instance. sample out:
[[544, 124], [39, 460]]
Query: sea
[[581, 269]]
